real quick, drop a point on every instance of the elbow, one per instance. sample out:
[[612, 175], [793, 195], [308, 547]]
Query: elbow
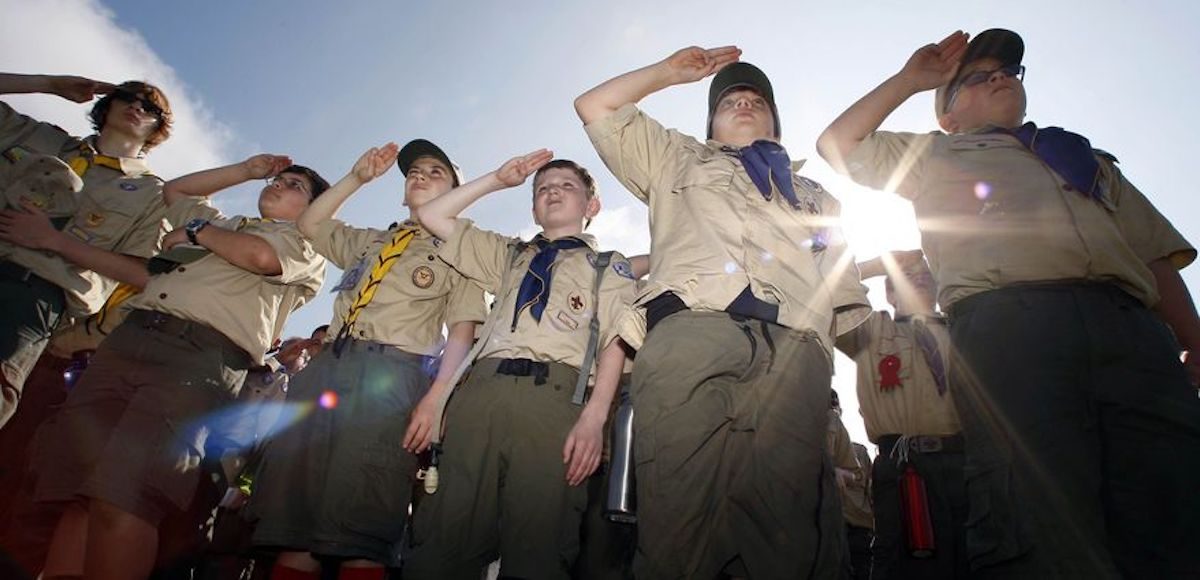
[[833, 150], [266, 263]]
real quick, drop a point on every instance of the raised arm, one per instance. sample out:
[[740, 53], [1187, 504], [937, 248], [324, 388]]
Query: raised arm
[[370, 165], [77, 89], [686, 65], [931, 66], [438, 214], [207, 182]]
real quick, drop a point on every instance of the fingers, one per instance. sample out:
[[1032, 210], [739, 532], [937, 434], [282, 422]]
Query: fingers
[[582, 457], [535, 160]]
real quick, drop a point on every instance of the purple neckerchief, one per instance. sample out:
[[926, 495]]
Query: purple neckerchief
[[1069, 154], [767, 161]]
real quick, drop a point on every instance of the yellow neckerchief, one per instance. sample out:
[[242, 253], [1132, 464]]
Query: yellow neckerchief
[[387, 256], [89, 157], [119, 295]]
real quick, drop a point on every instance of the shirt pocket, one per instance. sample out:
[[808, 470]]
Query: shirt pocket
[[103, 219]]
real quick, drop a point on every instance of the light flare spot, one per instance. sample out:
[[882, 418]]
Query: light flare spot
[[730, 267], [328, 400], [983, 190]]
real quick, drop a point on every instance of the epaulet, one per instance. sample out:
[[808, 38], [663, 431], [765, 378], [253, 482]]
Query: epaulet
[[1105, 154]]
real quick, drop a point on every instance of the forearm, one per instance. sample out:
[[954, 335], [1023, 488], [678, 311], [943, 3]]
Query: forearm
[[640, 264], [617, 92], [847, 131], [119, 267], [246, 251], [327, 205], [438, 215], [205, 183], [458, 343], [871, 268], [1175, 306], [12, 83], [608, 376]]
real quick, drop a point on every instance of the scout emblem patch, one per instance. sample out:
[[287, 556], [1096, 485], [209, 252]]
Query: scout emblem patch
[[576, 302], [422, 277], [889, 372]]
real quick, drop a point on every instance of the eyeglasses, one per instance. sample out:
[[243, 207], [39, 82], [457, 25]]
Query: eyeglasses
[[982, 76], [147, 105], [290, 183]]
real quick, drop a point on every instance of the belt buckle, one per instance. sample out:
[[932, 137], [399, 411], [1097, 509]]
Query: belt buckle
[[927, 444]]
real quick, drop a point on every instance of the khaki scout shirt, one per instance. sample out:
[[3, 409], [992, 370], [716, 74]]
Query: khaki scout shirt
[[249, 309], [562, 334], [120, 211], [417, 295], [914, 407], [712, 234], [992, 214], [855, 507]]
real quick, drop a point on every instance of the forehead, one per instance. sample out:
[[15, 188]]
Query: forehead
[[557, 174], [427, 163]]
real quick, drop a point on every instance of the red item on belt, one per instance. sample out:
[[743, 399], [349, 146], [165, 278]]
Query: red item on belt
[[914, 507]]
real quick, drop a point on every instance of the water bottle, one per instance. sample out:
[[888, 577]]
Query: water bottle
[[620, 504]]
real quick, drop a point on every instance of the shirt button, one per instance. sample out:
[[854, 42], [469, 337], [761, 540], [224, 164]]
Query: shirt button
[[430, 258], [162, 296], [182, 269]]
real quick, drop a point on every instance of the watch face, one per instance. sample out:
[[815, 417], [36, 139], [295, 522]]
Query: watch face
[[195, 223]]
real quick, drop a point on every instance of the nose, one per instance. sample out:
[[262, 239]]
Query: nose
[[742, 103]]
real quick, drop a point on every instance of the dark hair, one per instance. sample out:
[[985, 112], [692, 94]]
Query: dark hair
[[319, 329], [319, 184], [99, 113], [589, 184]]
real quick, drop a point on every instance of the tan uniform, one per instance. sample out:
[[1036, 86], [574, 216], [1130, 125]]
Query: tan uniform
[[745, 240], [992, 215], [562, 335], [841, 450], [119, 210], [418, 294], [247, 308], [913, 407]]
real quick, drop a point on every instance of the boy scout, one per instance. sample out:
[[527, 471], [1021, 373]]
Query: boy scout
[[338, 485], [114, 204], [1052, 266], [131, 436], [908, 411], [518, 444], [747, 268], [851, 480]]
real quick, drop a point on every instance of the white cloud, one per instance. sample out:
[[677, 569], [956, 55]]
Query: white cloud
[[82, 37]]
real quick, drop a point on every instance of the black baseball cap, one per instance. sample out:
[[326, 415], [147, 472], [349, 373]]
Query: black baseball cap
[[1003, 45], [418, 148], [740, 75]]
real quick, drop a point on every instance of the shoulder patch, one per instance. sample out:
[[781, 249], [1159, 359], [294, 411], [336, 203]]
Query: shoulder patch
[[813, 185], [623, 269]]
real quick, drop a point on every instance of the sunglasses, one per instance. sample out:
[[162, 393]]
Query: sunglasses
[[146, 104], [981, 76]]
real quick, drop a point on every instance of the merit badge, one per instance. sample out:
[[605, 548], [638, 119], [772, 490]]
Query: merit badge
[[623, 269], [126, 186], [889, 372], [94, 219], [576, 302], [422, 277], [351, 276]]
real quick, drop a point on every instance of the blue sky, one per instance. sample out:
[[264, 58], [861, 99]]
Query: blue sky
[[322, 81]]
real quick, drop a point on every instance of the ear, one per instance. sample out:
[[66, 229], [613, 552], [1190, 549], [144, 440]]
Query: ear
[[593, 207], [533, 212], [947, 122]]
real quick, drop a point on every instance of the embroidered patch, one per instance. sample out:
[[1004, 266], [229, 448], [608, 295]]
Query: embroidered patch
[[94, 219], [810, 184], [422, 277], [889, 373], [126, 186], [623, 269], [591, 257], [576, 302], [80, 233], [566, 320], [351, 276]]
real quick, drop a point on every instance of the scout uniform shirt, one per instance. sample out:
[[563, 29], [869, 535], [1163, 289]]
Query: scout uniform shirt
[[713, 234], [897, 394], [417, 294], [119, 209], [855, 506], [992, 214], [248, 308], [562, 334]]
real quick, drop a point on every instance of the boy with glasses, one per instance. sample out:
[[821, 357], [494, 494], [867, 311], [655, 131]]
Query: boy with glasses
[[97, 189], [128, 448], [1067, 319]]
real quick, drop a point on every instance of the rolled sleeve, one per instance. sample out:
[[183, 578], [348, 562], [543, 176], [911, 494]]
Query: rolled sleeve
[[891, 162], [465, 303], [617, 294], [299, 263]]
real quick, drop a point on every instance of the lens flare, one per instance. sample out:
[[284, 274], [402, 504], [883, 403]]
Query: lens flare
[[730, 267], [983, 190], [328, 400]]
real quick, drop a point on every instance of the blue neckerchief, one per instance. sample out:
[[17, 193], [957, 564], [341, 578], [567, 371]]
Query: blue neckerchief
[[1069, 154], [535, 286], [767, 161]]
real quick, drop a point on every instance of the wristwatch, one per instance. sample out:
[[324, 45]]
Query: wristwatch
[[192, 228]]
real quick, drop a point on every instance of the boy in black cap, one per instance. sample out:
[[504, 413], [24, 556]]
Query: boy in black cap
[[746, 274], [1067, 318]]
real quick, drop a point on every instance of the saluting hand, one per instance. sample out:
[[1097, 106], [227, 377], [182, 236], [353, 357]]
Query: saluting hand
[[694, 63], [934, 65], [515, 171], [375, 162], [266, 165], [581, 453], [79, 89], [27, 227]]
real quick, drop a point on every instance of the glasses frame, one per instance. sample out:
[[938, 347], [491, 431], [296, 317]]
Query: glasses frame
[[978, 78]]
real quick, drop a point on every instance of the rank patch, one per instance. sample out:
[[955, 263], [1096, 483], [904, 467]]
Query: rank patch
[[422, 277], [94, 219], [576, 302], [623, 269], [565, 320]]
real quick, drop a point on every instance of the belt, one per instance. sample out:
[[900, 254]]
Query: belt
[[169, 324], [523, 367], [923, 444], [743, 308], [978, 300]]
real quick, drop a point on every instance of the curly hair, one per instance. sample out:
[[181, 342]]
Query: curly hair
[[99, 114]]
